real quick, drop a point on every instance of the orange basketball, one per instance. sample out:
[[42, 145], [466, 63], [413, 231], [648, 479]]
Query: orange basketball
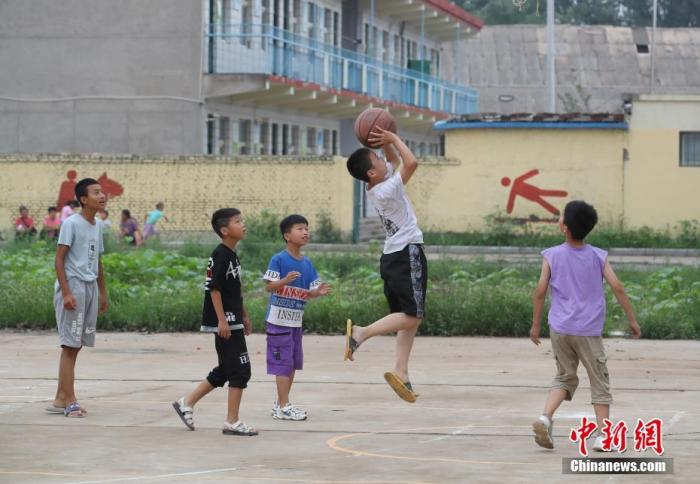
[[369, 119]]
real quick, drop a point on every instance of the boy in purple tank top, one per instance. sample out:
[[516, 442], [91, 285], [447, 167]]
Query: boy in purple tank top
[[575, 271]]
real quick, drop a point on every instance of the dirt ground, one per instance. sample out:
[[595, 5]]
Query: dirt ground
[[472, 421]]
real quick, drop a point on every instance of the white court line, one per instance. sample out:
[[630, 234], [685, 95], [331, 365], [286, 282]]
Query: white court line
[[160, 476]]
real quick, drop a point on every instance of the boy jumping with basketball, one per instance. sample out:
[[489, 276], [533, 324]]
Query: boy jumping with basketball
[[403, 265], [225, 316], [575, 272]]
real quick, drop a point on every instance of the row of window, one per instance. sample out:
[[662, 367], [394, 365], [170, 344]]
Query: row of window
[[690, 149], [229, 137], [251, 137], [397, 50], [323, 24]]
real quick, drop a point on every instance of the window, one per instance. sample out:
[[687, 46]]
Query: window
[[294, 145], [311, 20], [275, 139], [310, 141], [225, 17], [397, 50], [296, 16], [690, 149], [211, 133], [328, 26], [327, 142], [244, 126], [247, 21], [285, 139], [386, 52], [336, 29], [435, 62], [265, 138], [224, 136], [335, 142]]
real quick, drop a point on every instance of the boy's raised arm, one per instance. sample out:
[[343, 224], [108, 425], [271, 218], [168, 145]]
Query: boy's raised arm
[[386, 138]]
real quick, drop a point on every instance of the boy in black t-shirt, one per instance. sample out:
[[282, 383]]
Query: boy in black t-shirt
[[224, 314]]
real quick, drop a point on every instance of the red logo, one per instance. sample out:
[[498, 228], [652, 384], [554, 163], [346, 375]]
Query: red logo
[[646, 435]]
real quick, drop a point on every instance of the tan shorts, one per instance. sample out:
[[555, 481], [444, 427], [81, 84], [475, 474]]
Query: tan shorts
[[568, 350]]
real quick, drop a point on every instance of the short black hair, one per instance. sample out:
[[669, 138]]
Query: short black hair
[[360, 163], [126, 213], [82, 186], [51, 208], [106, 212], [221, 218], [73, 203], [580, 218], [289, 221], [160, 204]]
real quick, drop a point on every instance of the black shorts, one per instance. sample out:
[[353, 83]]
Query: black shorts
[[234, 362], [405, 275]]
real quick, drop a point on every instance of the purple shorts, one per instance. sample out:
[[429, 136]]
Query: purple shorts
[[284, 350]]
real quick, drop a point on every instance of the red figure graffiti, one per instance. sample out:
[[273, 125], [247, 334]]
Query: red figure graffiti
[[531, 192], [67, 191], [111, 188]]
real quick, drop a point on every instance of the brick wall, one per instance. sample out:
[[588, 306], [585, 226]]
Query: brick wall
[[191, 187]]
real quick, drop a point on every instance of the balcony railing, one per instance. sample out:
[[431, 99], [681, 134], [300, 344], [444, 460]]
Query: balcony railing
[[264, 49]]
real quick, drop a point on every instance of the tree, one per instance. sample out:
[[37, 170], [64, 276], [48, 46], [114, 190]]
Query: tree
[[633, 13]]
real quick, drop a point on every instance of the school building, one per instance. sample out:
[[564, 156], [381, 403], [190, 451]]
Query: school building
[[640, 169], [226, 77]]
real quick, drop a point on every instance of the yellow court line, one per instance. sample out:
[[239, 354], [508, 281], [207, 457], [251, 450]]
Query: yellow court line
[[333, 444]]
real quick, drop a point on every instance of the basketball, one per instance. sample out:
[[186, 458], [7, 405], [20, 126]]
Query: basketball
[[371, 118]]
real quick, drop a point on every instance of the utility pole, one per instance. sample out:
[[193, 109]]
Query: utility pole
[[551, 55], [653, 47]]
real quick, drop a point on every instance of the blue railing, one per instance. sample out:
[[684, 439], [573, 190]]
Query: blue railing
[[264, 49]]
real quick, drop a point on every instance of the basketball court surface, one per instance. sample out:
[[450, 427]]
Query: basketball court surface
[[472, 421]]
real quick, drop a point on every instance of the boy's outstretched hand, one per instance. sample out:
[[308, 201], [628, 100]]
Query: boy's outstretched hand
[[323, 289], [635, 330], [381, 137], [535, 334]]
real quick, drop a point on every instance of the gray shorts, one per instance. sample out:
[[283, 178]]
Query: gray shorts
[[77, 328]]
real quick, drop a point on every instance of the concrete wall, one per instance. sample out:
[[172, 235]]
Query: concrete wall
[[586, 164], [111, 76], [191, 187], [658, 191]]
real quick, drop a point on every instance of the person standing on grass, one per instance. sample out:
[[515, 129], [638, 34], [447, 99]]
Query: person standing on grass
[[575, 271], [149, 226], [80, 290], [291, 280], [403, 265], [224, 314]]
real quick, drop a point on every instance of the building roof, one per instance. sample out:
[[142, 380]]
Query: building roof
[[595, 65], [456, 12], [535, 121]]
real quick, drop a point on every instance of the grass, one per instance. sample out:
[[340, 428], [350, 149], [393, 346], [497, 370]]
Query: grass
[[161, 290]]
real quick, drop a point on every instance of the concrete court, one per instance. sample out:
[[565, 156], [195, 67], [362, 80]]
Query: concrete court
[[471, 423]]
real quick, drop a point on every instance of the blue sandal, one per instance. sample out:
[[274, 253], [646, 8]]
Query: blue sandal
[[74, 410]]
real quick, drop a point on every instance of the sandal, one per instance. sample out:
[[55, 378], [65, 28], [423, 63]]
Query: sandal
[[184, 412], [402, 389], [53, 409], [351, 344], [74, 411], [238, 428]]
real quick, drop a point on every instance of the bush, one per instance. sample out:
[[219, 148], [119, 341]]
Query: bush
[[158, 290]]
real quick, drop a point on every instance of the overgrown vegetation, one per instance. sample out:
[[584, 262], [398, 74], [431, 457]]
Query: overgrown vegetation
[[502, 232], [161, 290]]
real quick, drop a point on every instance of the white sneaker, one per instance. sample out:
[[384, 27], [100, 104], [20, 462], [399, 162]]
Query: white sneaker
[[543, 432], [598, 444], [288, 412]]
